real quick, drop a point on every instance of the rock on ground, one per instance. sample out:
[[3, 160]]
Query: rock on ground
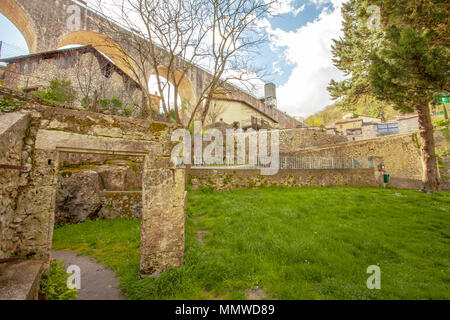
[[78, 197]]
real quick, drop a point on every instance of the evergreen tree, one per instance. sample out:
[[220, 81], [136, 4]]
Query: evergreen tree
[[404, 62], [411, 66], [352, 56]]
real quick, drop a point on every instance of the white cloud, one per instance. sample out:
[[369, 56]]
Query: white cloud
[[285, 6], [276, 68], [319, 2], [309, 50]]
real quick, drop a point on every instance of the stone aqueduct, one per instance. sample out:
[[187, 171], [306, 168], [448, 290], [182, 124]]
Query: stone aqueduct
[[44, 27]]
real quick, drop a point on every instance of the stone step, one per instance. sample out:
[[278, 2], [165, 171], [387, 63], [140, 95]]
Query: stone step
[[20, 279]]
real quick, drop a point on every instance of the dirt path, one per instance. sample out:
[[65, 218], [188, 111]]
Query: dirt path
[[97, 282]]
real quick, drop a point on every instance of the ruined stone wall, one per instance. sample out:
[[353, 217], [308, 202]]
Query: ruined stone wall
[[85, 72], [304, 138], [55, 130], [111, 188], [229, 179], [13, 131], [163, 228], [2, 74], [400, 154], [121, 204]]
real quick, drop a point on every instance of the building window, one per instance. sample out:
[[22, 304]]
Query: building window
[[107, 70], [390, 128]]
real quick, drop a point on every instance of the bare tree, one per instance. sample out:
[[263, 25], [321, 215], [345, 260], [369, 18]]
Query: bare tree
[[214, 112], [235, 34], [90, 80], [167, 38]]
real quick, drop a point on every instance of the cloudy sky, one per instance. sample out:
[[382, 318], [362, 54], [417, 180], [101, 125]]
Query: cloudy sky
[[298, 54]]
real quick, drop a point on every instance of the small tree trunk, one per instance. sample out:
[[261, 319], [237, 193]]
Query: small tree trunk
[[206, 109], [429, 163]]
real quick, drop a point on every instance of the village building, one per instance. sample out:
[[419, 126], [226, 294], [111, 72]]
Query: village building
[[97, 83], [239, 114], [261, 114], [353, 125], [366, 127], [407, 124]]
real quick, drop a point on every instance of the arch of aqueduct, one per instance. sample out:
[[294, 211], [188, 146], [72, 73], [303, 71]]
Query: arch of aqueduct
[[44, 27]]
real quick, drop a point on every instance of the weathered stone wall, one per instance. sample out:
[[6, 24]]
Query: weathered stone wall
[[121, 204], [85, 69], [400, 154], [54, 130], [76, 160], [229, 179], [2, 74], [13, 130], [290, 139], [163, 228], [108, 189], [304, 138], [70, 130]]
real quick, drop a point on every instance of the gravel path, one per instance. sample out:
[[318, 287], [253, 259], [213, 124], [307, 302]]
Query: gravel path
[[97, 282]]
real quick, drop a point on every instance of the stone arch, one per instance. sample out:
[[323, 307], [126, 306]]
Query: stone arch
[[186, 89], [103, 44], [18, 16]]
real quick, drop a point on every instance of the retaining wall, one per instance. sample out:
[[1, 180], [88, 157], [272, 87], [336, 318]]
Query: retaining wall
[[229, 179], [400, 154]]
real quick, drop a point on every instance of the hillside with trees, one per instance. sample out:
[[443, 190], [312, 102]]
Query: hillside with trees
[[365, 105]]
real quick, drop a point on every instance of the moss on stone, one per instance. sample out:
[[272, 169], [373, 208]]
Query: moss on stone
[[158, 127], [68, 171]]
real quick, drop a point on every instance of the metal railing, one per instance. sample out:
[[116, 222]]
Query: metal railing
[[301, 163], [322, 163]]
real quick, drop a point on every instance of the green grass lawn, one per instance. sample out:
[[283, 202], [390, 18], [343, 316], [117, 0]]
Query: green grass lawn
[[309, 243]]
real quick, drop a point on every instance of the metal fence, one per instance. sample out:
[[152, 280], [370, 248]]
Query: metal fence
[[300, 163], [297, 163]]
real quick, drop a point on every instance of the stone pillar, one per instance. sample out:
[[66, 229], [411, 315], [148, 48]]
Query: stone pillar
[[36, 207], [163, 218]]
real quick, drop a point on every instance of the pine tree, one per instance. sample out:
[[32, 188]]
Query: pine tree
[[405, 62], [411, 66], [351, 55]]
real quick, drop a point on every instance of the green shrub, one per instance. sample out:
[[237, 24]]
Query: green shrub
[[116, 103], [104, 103], [59, 91], [86, 102], [9, 105], [54, 284], [205, 189], [128, 112], [442, 123]]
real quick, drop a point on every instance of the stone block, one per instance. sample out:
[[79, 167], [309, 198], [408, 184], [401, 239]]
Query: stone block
[[19, 280]]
